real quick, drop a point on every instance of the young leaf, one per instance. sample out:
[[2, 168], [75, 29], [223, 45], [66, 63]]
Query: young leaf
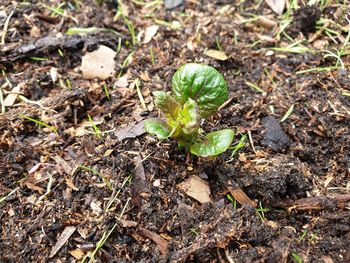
[[189, 117], [202, 83], [214, 143], [167, 104], [157, 127]]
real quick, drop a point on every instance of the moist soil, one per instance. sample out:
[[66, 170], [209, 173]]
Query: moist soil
[[70, 193]]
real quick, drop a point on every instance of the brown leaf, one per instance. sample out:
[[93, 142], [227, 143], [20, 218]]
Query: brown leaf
[[131, 131], [33, 186], [276, 5], [197, 188], [67, 232]]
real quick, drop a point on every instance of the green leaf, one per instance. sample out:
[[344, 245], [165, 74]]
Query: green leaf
[[202, 83], [158, 127], [189, 117], [213, 144], [167, 104]]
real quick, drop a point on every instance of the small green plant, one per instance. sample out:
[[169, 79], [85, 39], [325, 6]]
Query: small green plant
[[198, 91]]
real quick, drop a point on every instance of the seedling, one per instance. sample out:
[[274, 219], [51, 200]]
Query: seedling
[[97, 131], [40, 123], [198, 92]]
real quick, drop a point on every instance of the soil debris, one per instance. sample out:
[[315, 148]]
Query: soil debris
[[274, 136], [197, 188]]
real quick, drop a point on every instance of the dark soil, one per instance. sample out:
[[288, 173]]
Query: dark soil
[[125, 183]]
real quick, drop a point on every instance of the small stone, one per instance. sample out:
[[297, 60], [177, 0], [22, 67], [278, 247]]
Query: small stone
[[171, 4], [156, 183]]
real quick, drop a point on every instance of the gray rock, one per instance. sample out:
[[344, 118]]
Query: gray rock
[[171, 4]]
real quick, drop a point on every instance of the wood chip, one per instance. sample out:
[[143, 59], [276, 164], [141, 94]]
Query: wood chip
[[161, 242], [217, 54], [77, 253], [196, 188], [241, 197], [11, 98], [67, 232], [276, 5], [150, 32]]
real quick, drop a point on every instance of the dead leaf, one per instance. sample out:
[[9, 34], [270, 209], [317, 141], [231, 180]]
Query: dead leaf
[[54, 74], [11, 98], [33, 186], [67, 232], [98, 64], [139, 182], [197, 188], [161, 242], [77, 253], [217, 54], [192, 43], [150, 32], [276, 5], [61, 162], [131, 131]]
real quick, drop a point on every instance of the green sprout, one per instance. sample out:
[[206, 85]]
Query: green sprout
[[152, 56], [106, 91], [198, 92], [97, 131], [40, 123]]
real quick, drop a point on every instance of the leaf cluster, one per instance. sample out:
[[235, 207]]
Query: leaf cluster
[[198, 91]]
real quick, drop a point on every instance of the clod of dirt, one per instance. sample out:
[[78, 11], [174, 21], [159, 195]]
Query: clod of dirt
[[280, 177], [186, 217], [98, 64], [305, 19], [274, 135]]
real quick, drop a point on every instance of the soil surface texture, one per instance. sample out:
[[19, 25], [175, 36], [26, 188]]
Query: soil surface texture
[[81, 181]]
